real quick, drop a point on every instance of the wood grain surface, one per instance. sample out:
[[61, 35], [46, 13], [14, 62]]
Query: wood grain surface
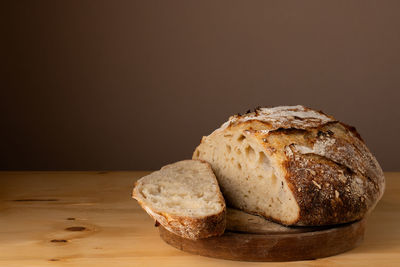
[[89, 219], [251, 238]]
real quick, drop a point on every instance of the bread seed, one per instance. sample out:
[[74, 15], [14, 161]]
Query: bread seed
[[316, 184]]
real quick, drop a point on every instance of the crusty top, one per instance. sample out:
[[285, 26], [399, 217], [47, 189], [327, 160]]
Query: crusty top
[[285, 117], [328, 167]]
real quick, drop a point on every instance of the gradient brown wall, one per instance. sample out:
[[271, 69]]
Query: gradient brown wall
[[135, 84]]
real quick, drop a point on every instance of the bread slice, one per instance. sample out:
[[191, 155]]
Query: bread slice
[[294, 165], [185, 198]]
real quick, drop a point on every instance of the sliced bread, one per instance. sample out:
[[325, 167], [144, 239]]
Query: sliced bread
[[185, 198]]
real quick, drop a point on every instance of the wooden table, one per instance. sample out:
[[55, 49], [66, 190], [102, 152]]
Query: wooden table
[[89, 219]]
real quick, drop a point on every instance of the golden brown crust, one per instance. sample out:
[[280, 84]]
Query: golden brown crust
[[329, 169], [297, 117], [326, 192], [189, 227], [332, 174]]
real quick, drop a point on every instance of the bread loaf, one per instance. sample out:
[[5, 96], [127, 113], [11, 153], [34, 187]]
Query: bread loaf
[[294, 165], [185, 198]]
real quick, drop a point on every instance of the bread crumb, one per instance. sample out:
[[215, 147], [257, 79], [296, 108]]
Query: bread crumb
[[336, 194]]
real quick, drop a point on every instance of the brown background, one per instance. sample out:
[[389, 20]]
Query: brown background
[[135, 84]]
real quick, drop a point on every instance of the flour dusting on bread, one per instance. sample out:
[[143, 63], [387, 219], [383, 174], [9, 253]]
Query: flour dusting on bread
[[294, 165]]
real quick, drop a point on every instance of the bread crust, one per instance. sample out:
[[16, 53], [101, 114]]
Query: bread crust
[[188, 227], [327, 166]]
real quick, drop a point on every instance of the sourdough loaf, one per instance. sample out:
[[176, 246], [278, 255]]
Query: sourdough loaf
[[294, 165], [185, 198]]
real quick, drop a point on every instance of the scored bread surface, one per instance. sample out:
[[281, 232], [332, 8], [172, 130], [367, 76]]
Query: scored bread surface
[[184, 198], [294, 165]]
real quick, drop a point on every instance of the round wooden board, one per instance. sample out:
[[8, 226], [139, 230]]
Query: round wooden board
[[252, 238]]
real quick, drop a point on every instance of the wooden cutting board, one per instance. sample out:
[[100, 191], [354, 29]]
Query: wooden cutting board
[[252, 238]]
